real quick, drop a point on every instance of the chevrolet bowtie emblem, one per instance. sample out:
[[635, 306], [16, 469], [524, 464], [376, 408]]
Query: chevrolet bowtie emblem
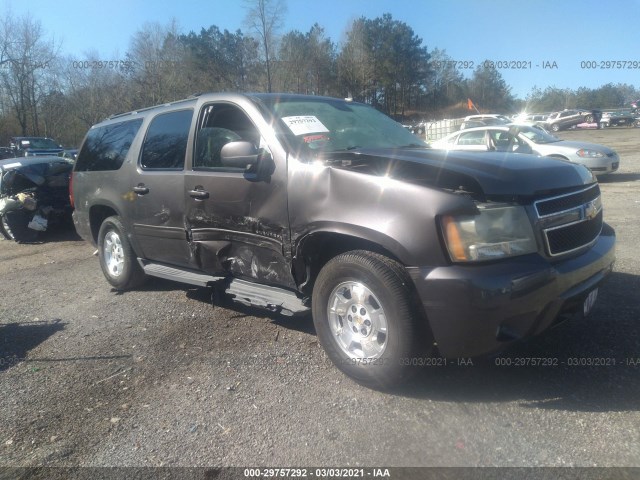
[[590, 210]]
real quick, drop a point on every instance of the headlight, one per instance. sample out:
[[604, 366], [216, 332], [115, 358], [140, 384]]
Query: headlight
[[590, 153], [494, 233]]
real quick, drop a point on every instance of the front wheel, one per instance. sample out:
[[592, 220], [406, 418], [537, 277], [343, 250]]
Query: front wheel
[[117, 259], [555, 127], [5, 229], [367, 318]]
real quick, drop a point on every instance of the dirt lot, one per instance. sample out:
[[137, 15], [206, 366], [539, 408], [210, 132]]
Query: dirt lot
[[159, 377]]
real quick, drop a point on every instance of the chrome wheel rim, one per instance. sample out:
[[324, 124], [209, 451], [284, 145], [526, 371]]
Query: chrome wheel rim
[[357, 321], [113, 254]]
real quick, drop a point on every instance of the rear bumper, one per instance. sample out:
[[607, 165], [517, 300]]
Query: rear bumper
[[480, 309], [82, 225]]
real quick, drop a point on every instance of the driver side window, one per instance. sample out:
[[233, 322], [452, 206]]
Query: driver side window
[[218, 125]]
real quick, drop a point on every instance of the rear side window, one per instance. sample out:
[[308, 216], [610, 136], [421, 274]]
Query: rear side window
[[471, 138], [165, 145], [106, 147]]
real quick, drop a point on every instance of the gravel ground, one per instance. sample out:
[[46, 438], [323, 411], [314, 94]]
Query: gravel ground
[[160, 377]]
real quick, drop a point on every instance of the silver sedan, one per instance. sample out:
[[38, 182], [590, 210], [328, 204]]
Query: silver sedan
[[533, 140]]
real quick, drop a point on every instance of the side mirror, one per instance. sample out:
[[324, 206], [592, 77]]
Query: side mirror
[[239, 154]]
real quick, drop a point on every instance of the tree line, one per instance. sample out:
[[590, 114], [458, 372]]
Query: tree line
[[380, 61]]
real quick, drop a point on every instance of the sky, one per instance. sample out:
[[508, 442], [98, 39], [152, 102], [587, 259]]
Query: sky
[[542, 43]]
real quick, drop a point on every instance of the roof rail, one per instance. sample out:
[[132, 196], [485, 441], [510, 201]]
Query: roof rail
[[133, 112]]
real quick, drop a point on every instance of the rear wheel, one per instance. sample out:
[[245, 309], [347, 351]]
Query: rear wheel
[[555, 127], [367, 318], [117, 259]]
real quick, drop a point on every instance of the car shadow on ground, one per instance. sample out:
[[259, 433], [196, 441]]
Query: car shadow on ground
[[300, 322], [583, 364], [17, 339], [58, 233], [619, 177]]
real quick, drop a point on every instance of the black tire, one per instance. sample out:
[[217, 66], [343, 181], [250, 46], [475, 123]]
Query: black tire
[[5, 229], [388, 287], [117, 259]]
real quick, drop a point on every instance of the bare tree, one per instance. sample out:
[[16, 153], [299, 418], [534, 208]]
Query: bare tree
[[159, 64], [96, 93], [28, 59], [264, 19]]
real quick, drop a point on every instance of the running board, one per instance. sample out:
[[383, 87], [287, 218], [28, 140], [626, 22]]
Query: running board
[[244, 292], [265, 296], [179, 275]]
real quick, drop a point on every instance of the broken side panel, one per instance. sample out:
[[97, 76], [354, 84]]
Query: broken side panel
[[241, 229]]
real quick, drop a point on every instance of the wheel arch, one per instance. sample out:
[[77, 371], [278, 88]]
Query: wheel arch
[[313, 250], [97, 214]]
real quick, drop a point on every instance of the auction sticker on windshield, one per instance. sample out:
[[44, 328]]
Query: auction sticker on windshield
[[302, 125]]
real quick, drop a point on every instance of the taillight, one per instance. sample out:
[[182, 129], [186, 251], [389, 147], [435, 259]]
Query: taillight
[[71, 190]]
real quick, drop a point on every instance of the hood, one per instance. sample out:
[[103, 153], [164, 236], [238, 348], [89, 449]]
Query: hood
[[483, 174]]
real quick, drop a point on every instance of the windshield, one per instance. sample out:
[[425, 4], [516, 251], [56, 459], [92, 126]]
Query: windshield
[[316, 126], [537, 135], [39, 143]]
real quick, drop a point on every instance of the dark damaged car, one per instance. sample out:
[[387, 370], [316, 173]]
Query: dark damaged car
[[298, 203], [34, 195]]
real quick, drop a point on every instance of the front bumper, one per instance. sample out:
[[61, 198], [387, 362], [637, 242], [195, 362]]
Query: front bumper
[[478, 309], [600, 166]]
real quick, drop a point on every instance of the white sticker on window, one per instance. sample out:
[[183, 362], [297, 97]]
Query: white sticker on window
[[11, 165], [301, 125]]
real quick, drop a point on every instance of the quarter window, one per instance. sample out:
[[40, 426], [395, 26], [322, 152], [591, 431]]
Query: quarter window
[[166, 142], [105, 148]]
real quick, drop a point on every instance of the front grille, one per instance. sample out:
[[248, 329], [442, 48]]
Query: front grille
[[561, 203], [568, 238], [571, 221]]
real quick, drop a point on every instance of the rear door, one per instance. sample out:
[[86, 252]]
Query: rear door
[[157, 201], [237, 220]]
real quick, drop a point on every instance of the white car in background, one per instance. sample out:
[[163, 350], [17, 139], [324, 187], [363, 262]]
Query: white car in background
[[532, 140]]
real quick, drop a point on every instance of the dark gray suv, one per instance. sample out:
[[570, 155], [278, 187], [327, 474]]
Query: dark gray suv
[[298, 203]]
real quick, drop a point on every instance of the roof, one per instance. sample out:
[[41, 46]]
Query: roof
[[211, 96]]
